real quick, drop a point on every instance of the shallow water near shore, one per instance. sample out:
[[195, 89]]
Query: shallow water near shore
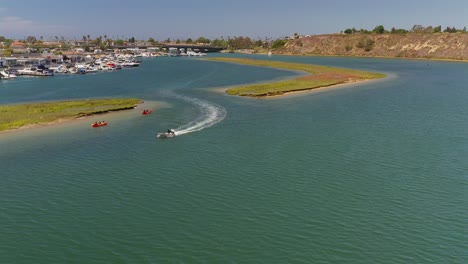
[[371, 173]]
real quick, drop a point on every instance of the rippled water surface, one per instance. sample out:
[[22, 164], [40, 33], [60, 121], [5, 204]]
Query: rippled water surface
[[373, 173]]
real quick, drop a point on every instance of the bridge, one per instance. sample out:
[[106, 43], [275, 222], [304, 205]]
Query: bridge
[[197, 48]]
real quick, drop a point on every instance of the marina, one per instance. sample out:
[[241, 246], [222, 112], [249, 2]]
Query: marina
[[86, 63]]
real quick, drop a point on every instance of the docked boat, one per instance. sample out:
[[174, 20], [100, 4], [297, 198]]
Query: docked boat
[[92, 70], [7, 74], [27, 71], [99, 124], [40, 70], [127, 64], [168, 134]]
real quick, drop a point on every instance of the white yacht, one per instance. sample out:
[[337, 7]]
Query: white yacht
[[27, 71], [36, 71], [7, 74], [128, 63]]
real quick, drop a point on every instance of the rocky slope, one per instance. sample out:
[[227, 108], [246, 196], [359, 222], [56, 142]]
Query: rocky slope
[[430, 46]]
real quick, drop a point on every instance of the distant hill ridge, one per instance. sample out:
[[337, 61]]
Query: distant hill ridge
[[413, 45]]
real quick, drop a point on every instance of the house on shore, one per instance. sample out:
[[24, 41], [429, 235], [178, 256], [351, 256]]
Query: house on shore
[[19, 47]]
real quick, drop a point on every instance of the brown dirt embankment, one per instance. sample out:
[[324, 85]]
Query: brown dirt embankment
[[447, 46]]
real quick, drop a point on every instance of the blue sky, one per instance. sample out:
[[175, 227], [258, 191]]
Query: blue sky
[[212, 19]]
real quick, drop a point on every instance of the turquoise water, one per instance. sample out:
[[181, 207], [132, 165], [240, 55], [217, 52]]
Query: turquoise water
[[374, 173]]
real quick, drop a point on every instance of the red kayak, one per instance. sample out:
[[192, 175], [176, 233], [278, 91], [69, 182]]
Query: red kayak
[[146, 112], [100, 124]]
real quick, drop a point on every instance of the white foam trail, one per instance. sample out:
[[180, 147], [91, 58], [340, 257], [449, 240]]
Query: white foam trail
[[211, 114]]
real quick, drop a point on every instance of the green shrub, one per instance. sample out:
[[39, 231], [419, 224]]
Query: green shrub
[[279, 43]]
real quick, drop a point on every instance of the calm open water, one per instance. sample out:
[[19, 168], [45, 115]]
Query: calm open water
[[375, 173]]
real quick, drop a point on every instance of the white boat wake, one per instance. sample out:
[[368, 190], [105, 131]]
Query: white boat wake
[[211, 114]]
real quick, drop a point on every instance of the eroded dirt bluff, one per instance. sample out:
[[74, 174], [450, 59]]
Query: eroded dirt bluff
[[431, 46]]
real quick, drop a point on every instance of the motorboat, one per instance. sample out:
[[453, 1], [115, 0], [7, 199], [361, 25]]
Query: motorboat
[[27, 71], [127, 64], [91, 70], [7, 74], [168, 134], [40, 70]]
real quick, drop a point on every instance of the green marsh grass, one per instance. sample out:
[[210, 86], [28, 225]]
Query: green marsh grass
[[320, 76], [16, 116]]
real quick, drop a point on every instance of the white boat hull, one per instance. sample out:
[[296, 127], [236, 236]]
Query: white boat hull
[[166, 135]]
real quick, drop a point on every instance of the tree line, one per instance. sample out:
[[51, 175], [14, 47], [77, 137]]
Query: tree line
[[415, 29], [237, 42], [104, 42]]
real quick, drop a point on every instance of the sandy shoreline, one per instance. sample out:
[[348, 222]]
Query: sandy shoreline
[[309, 91], [316, 77], [60, 121], [92, 118], [328, 88]]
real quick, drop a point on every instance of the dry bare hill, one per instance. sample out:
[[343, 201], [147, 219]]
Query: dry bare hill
[[430, 46]]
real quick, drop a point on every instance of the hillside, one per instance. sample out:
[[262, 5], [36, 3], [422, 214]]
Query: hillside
[[413, 45]]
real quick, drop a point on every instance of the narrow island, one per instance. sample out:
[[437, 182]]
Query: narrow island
[[21, 115], [321, 76]]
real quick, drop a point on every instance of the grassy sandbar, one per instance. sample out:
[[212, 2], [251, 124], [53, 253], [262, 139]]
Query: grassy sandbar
[[321, 76], [17, 116]]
